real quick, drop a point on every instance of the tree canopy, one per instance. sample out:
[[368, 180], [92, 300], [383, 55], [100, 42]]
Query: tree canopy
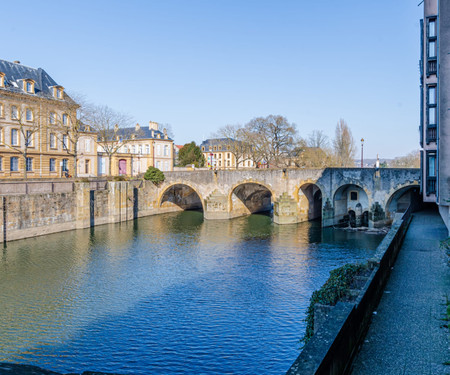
[[189, 154]]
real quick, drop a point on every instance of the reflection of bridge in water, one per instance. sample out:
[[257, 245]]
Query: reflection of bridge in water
[[365, 196]]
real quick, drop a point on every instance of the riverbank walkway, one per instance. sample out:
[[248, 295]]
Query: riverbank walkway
[[408, 334]]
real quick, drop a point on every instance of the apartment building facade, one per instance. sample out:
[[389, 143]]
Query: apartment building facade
[[435, 104]]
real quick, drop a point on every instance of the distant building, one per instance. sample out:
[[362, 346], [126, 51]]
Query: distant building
[[35, 113], [435, 104], [146, 147], [221, 153]]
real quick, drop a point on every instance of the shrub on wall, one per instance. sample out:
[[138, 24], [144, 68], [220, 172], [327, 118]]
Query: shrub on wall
[[336, 287], [154, 175]]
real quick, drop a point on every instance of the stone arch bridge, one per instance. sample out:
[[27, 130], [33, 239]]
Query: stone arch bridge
[[361, 196]]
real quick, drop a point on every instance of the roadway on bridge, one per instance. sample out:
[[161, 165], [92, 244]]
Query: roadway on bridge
[[407, 333]]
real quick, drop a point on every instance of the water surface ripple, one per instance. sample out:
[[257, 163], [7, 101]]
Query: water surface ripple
[[167, 294]]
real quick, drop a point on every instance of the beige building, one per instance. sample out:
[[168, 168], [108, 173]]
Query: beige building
[[220, 154], [35, 117], [144, 147]]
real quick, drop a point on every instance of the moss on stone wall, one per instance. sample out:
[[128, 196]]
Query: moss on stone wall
[[336, 287]]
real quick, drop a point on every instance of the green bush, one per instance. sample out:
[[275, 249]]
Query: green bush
[[334, 289], [154, 175]]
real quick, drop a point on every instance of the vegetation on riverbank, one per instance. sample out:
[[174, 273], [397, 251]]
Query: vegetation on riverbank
[[335, 288]]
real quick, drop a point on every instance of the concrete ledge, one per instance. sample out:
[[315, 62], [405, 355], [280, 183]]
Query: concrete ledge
[[332, 348]]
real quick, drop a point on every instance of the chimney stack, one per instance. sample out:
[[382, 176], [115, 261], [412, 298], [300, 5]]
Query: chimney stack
[[153, 125], [16, 62]]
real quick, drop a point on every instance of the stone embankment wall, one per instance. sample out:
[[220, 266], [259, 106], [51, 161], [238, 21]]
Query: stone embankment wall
[[333, 346], [29, 209]]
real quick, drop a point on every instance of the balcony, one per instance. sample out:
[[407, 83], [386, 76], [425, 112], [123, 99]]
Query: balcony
[[431, 134], [431, 67], [431, 185]]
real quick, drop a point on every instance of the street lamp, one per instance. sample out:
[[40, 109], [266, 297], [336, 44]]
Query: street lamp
[[362, 152]]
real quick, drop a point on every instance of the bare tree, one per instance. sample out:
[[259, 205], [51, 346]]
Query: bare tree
[[317, 139], [411, 160], [28, 122], [168, 129], [344, 145], [71, 125], [112, 128], [312, 157], [236, 142]]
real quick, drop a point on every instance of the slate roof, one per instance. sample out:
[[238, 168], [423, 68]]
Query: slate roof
[[216, 142], [144, 133], [15, 74]]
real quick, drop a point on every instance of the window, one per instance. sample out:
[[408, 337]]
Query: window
[[220, 156], [220, 163], [65, 119], [65, 142], [1, 163], [431, 106], [158, 150], [65, 165], [52, 166], [432, 48], [166, 166], [88, 145], [134, 149], [228, 163], [353, 195], [147, 149], [140, 149], [166, 150], [158, 164], [52, 118], [2, 113], [29, 86], [59, 93], [431, 94], [29, 115], [52, 140], [87, 166], [14, 113], [14, 164], [29, 138], [228, 155], [215, 148], [432, 28], [431, 165], [29, 164], [2, 80], [203, 148], [14, 137]]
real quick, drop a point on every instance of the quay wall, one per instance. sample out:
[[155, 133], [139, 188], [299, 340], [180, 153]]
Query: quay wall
[[336, 342]]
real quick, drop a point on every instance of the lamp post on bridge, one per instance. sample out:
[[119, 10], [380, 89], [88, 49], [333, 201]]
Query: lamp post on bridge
[[362, 152]]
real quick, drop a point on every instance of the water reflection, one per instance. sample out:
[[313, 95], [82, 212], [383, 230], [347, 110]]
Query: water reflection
[[167, 294]]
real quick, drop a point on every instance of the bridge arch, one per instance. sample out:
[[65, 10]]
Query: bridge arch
[[401, 199], [351, 201], [180, 195], [248, 197], [309, 197]]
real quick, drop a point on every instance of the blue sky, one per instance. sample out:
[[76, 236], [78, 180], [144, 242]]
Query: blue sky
[[199, 65]]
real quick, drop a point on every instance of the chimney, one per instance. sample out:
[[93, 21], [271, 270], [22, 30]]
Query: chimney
[[152, 132], [165, 134], [138, 127], [16, 62], [153, 125]]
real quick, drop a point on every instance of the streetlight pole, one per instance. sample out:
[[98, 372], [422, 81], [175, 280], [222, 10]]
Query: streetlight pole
[[362, 152]]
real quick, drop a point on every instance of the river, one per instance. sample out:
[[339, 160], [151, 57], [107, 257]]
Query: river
[[168, 294]]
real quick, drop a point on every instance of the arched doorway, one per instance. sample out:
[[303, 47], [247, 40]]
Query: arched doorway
[[122, 167], [180, 197], [350, 197], [250, 198]]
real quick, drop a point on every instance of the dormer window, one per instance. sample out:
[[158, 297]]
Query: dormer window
[[2, 79], [58, 92], [28, 86]]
